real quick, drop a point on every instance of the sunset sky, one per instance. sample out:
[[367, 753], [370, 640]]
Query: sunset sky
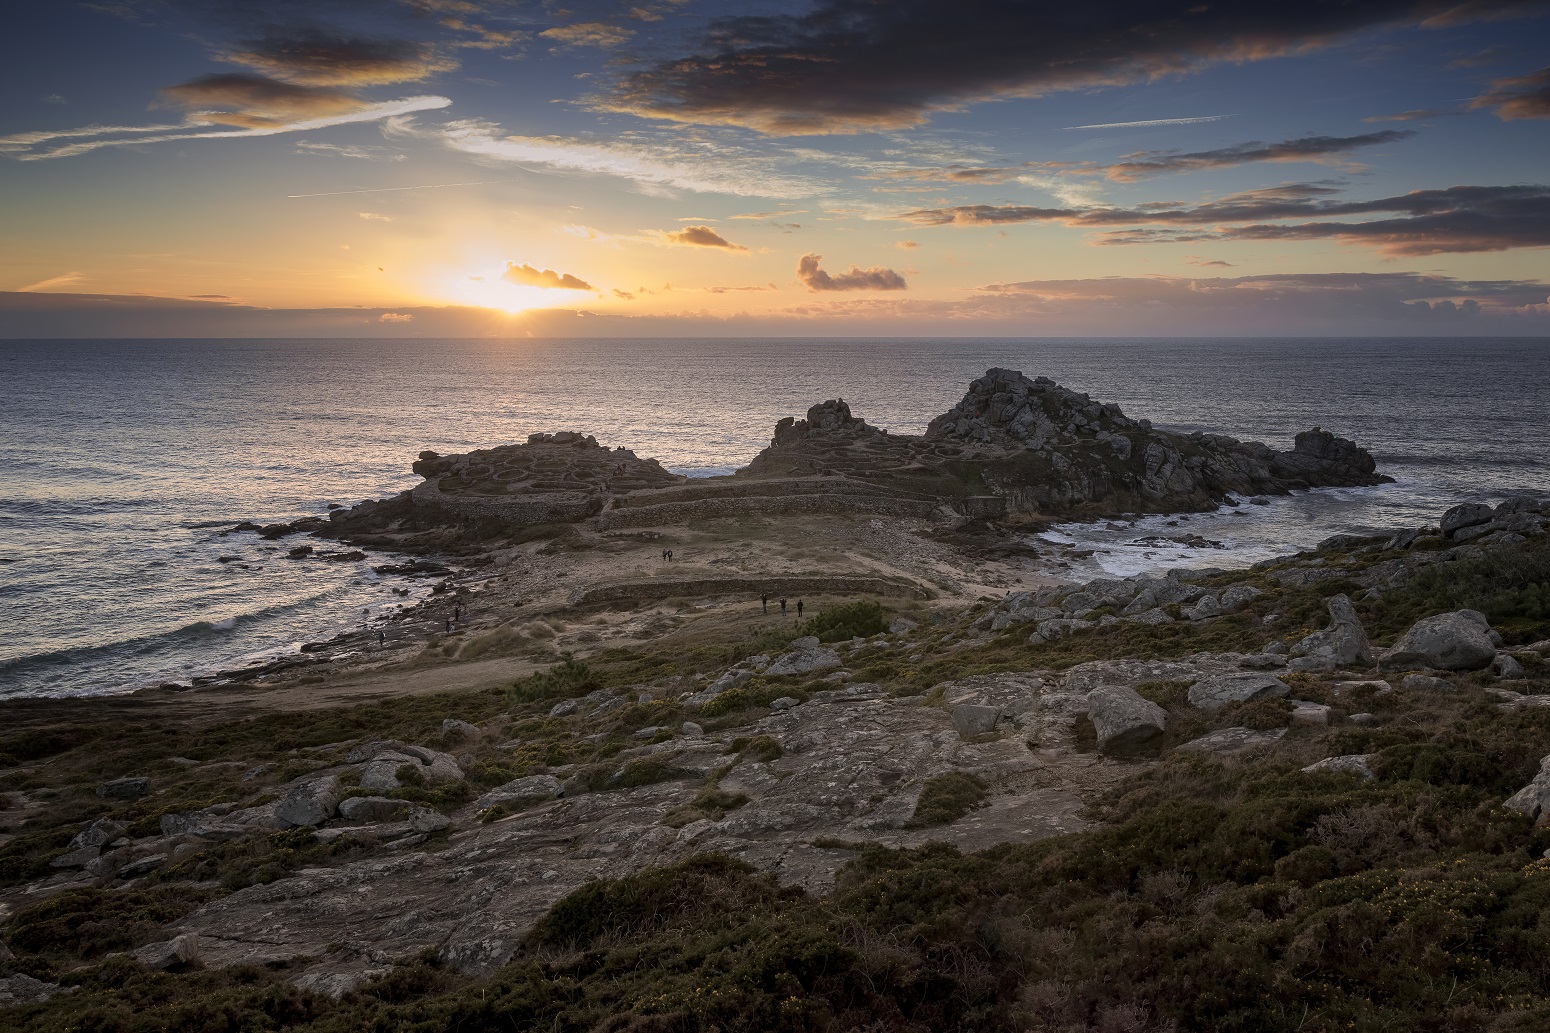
[[652, 167]]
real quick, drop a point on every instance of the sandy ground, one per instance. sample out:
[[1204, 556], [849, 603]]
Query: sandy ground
[[519, 613]]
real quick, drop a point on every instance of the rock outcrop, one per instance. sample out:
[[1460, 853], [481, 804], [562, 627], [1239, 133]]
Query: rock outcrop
[[1127, 724], [1342, 644], [1533, 800], [1011, 448], [1458, 641]]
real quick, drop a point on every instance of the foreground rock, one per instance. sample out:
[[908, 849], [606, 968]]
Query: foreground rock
[[1533, 800], [1342, 644], [1127, 724], [1215, 693], [1458, 641]]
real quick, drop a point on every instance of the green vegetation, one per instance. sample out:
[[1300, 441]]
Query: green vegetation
[[946, 798], [847, 621]]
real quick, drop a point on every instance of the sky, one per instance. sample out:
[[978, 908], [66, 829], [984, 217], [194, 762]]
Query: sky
[[391, 168]]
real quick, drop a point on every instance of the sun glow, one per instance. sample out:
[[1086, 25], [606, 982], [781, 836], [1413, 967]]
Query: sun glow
[[488, 289]]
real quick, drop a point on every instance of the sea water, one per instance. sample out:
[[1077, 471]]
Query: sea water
[[124, 463]]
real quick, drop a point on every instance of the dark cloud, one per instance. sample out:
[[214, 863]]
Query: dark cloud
[[874, 279], [1415, 115], [1308, 148], [1522, 96], [321, 59], [1142, 164], [1432, 222], [256, 102], [1352, 297], [701, 236], [1207, 263], [530, 277], [852, 65]]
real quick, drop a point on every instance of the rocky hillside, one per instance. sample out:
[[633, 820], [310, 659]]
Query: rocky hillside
[[1309, 795]]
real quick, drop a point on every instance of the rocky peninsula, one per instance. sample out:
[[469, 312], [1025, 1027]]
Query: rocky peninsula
[[586, 786]]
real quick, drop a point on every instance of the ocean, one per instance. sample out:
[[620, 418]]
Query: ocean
[[124, 461]]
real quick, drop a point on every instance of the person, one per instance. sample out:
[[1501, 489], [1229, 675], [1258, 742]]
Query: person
[[782, 604], [449, 625], [799, 609], [764, 601], [381, 638]]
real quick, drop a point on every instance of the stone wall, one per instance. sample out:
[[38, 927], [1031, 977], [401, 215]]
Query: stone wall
[[710, 509], [545, 508]]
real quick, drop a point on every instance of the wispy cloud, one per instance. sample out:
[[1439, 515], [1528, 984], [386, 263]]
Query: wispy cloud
[[698, 166], [1519, 96], [53, 282], [29, 146], [1150, 122], [589, 34]]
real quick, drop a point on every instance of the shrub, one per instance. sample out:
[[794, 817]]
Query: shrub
[[848, 620], [946, 798], [567, 679]]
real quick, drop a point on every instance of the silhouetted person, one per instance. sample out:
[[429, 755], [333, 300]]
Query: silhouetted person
[[381, 638], [782, 604], [449, 625], [799, 608], [764, 601]]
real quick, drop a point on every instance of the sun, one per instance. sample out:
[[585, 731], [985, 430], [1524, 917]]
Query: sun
[[487, 288]]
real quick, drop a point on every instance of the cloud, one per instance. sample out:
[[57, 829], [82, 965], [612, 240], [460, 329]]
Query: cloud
[[1207, 262], [1416, 115], [770, 215], [1457, 219], [845, 66], [396, 317], [531, 277], [701, 236], [375, 216], [255, 102], [55, 98], [756, 288], [906, 245], [1150, 122], [29, 146], [319, 59], [677, 164], [874, 279], [1521, 96], [1355, 298], [1343, 304], [62, 280], [1308, 148], [1143, 164], [589, 34]]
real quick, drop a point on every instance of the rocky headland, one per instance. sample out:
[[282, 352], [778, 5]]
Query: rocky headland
[[622, 792]]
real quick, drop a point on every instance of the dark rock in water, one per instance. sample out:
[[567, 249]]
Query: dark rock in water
[[129, 788], [300, 552], [1188, 541], [273, 531]]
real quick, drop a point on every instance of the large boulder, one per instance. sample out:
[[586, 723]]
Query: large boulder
[[1467, 515], [308, 803], [531, 789], [1533, 800], [129, 788], [807, 659], [974, 719], [382, 772], [1215, 693], [1127, 724], [1458, 641], [1342, 644], [1359, 764]]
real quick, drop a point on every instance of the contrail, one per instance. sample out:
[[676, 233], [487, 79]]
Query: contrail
[[385, 190], [1152, 122]]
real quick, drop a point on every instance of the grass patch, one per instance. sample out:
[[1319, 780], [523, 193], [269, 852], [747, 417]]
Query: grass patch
[[946, 798], [846, 621]]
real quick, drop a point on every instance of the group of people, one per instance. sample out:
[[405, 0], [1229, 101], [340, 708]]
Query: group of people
[[667, 555], [764, 601]]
